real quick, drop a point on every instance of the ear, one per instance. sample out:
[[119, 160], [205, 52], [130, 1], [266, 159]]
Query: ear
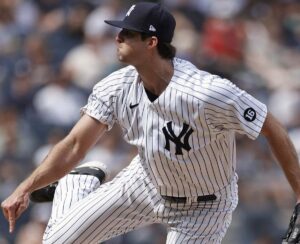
[[152, 42]]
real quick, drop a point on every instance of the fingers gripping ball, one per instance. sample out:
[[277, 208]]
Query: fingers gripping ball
[[293, 233]]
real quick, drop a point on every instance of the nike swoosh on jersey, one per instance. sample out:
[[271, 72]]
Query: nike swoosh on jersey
[[133, 105]]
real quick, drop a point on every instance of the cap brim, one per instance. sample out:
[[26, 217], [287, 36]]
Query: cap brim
[[122, 24]]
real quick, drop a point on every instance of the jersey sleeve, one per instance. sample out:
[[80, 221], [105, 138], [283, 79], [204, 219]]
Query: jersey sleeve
[[100, 104], [232, 109]]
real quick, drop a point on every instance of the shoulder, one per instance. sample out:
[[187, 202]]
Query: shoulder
[[188, 71], [188, 75], [202, 84]]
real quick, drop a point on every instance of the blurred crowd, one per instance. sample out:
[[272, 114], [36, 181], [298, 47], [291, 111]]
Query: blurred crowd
[[52, 52]]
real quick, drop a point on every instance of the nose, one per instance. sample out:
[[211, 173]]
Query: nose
[[119, 38]]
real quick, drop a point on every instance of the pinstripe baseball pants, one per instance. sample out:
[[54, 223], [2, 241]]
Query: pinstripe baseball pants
[[85, 212]]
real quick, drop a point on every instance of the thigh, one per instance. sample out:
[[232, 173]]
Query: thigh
[[198, 226], [113, 209]]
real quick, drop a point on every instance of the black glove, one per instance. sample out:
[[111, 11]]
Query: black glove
[[293, 233]]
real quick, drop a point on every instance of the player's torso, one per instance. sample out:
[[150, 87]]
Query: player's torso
[[173, 137]]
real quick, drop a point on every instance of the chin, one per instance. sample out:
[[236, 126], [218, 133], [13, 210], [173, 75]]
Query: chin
[[122, 59]]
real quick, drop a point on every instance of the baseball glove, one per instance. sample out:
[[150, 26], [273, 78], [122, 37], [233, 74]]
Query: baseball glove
[[293, 233]]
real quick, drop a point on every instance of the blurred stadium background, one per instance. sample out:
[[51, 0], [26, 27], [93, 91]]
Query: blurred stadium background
[[52, 52]]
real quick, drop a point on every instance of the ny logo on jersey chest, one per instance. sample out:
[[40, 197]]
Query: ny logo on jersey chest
[[179, 144]]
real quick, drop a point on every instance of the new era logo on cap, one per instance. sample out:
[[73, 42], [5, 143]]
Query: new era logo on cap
[[152, 28]]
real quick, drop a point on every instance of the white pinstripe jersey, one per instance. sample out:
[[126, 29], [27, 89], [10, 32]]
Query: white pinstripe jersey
[[187, 135]]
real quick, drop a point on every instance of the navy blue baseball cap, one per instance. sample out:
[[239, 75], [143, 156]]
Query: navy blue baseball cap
[[149, 18]]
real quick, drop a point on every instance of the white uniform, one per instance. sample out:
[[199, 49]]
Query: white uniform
[[186, 145]]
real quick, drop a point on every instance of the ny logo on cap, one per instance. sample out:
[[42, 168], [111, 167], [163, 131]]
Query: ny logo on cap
[[152, 28], [130, 10]]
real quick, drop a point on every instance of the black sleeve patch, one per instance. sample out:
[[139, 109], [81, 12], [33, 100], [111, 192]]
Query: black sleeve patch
[[250, 114]]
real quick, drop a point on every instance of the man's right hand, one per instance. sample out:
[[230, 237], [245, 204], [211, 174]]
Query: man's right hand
[[14, 206]]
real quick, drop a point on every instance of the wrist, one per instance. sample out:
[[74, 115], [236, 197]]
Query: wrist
[[24, 188]]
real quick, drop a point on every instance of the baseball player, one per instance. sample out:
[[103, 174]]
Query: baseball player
[[183, 122]]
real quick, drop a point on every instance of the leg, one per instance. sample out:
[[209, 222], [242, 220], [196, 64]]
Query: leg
[[208, 227], [70, 190], [112, 209]]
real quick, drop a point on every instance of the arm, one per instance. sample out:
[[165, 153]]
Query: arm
[[61, 160], [284, 151]]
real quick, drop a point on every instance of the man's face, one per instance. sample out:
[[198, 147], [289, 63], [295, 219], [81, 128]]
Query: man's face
[[131, 49]]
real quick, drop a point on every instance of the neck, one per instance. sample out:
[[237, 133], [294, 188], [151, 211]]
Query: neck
[[156, 74]]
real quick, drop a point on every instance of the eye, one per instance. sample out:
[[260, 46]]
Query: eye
[[128, 33]]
